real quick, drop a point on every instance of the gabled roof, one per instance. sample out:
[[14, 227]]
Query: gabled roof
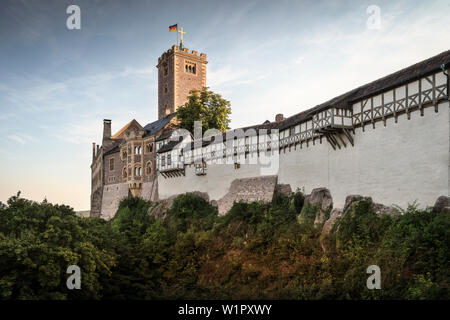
[[406, 75], [156, 126], [409, 74], [119, 134]]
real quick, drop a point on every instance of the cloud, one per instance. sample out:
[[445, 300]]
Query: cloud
[[20, 138]]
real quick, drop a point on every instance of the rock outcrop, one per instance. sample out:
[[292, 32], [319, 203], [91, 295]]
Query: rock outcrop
[[442, 204], [350, 202], [319, 200], [159, 209]]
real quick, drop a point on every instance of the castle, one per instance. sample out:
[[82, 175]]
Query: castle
[[389, 139]]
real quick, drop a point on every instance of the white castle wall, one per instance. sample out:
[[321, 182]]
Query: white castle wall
[[216, 182], [396, 164]]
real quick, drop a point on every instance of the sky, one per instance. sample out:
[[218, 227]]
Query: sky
[[265, 57]]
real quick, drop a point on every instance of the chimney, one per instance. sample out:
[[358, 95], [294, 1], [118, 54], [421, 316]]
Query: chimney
[[279, 117], [106, 129]]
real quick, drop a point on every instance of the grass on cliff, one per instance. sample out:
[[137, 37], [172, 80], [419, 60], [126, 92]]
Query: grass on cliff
[[256, 251]]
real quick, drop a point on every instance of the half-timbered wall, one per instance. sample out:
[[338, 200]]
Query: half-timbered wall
[[399, 151]]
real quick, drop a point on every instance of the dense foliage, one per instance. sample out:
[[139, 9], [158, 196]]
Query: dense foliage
[[256, 251], [206, 106]]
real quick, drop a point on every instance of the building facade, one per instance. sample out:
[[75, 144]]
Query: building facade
[[389, 139], [125, 163]]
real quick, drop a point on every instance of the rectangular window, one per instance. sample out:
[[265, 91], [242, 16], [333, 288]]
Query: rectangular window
[[169, 159], [111, 164], [163, 161], [292, 131]]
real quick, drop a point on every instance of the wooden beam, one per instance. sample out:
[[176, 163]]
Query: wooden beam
[[349, 137]]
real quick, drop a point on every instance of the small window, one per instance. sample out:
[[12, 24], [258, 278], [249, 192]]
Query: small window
[[124, 173], [149, 147], [137, 171], [166, 71], [169, 159], [111, 164], [163, 161], [149, 168], [292, 131], [166, 89]]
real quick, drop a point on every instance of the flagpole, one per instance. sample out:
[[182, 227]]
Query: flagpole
[[177, 33]]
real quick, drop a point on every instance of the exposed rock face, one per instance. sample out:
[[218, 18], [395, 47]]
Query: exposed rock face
[[442, 204], [248, 189], [335, 213], [159, 210], [350, 202], [321, 199], [283, 189]]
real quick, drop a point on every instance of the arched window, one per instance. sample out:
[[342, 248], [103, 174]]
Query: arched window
[[139, 171], [139, 150], [124, 173], [190, 69], [186, 68], [148, 168], [193, 69]]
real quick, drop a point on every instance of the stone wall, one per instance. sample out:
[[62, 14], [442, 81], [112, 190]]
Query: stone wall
[[112, 194], [248, 189]]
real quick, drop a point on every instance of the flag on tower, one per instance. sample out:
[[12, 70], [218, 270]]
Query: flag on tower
[[173, 28]]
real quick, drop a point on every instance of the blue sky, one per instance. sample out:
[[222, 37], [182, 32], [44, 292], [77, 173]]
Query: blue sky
[[266, 57]]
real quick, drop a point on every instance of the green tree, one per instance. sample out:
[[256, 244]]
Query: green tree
[[206, 106], [38, 241]]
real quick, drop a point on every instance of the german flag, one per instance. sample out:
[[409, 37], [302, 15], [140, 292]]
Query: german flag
[[173, 28]]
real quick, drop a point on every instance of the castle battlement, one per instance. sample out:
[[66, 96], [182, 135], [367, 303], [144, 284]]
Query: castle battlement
[[176, 49]]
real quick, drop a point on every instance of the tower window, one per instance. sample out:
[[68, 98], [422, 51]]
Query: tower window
[[190, 67], [111, 164], [166, 89], [166, 71]]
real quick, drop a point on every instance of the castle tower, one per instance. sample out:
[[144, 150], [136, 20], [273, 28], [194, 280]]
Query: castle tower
[[179, 72]]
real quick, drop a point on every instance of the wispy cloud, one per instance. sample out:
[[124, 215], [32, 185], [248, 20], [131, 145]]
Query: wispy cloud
[[20, 138]]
